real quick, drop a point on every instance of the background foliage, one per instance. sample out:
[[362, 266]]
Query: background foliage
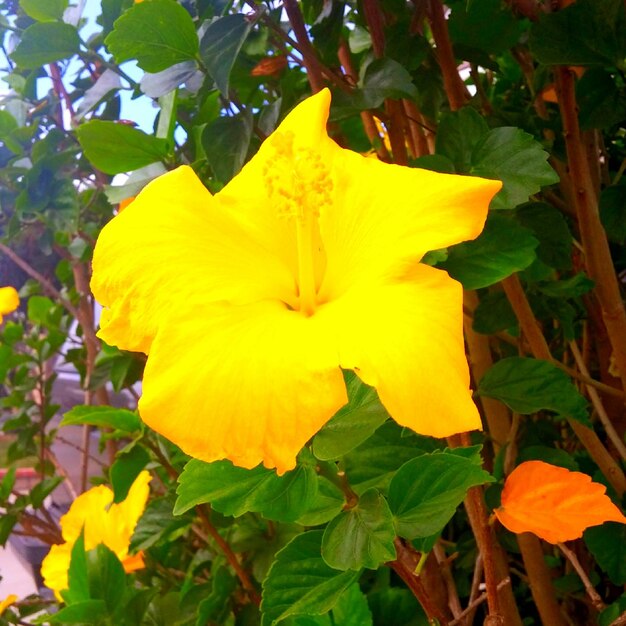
[[368, 529]]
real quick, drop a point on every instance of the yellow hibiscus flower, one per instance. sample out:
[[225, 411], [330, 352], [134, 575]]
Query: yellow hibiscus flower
[[7, 602], [249, 302], [9, 301], [111, 525]]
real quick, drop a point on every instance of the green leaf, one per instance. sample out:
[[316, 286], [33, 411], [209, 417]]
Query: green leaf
[[529, 385], [514, 157], [300, 582], [326, 504], [457, 134], [353, 423], [44, 10], [157, 85], [551, 230], [588, 32], [600, 101], [115, 148], [39, 309], [157, 523], [493, 314], [554, 456], [107, 580], [211, 609], [425, 492], [375, 461], [226, 142], [125, 469], [46, 42], [352, 608], [77, 577], [613, 212], [613, 611], [361, 536], [234, 490], [502, 249], [85, 612], [159, 34], [43, 489], [220, 47], [103, 416], [607, 543], [572, 287], [386, 78]]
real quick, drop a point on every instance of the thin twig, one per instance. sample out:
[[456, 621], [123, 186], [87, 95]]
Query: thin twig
[[475, 603], [596, 600]]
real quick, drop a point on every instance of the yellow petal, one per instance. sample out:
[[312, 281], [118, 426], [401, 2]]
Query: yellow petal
[[88, 507], [7, 602], [9, 301], [405, 339], [250, 383], [175, 240], [384, 217], [55, 566]]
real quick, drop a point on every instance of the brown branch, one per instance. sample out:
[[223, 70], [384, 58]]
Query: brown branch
[[475, 603], [597, 253], [596, 600]]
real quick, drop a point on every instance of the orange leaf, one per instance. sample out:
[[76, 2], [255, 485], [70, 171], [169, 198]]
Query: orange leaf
[[553, 502]]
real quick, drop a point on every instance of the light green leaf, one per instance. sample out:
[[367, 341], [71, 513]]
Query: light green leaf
[[529, 385], [352, 608], [514, 157], [362, 536], [300, 582], [425, 492], [159, 34], [85, 612], [103, 416], [44, 10], [46, 42], [503, 248], [234, 490], [115, 148], [220, 47], [353, 423]]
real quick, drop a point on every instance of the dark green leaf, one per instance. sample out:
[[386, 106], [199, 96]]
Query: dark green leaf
[[493, 314], [212, 607], [326, 504], [107, 416], [613, 212], [226, 142], [46, 42], [220, 47], [600, 101], [607, 543], [502, 249], [425, 492], [107, 580], [458, 134], [529, 385], [115, 148], [159, 34], [548, 226], [43, 489], [514, 157], [613, 611], [554, 456], [85, 612], [157, 523], [386, 78], [353, 423], [374, 462], [361, 536], [234, 490], [44, 10], [588, 32], [573, 287], [125, 469], [301, 583]]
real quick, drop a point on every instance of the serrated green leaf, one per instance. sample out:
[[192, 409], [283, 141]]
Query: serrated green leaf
[[352, 608], [85, 612], [125, 469], [300, 582], [115, 148], [386, 78], [157, 523], [46, 42], [588, 32], [44, 10], [457, 135], [103, 416], [503, 248], [373, 463], [551, 230], [226, 142], [607, 543], [220, 47], [572, 287], [425, 492], [362, 536], [159, 34], [234, 490], [514, 157], [528, 385], [353, 423], [326, 504]]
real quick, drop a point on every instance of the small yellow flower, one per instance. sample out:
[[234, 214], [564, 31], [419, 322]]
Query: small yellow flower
[[9, 301], [250, 302], [7, 602], [111, 525]]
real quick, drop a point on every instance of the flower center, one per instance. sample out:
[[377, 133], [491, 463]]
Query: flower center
[[299, 185]]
